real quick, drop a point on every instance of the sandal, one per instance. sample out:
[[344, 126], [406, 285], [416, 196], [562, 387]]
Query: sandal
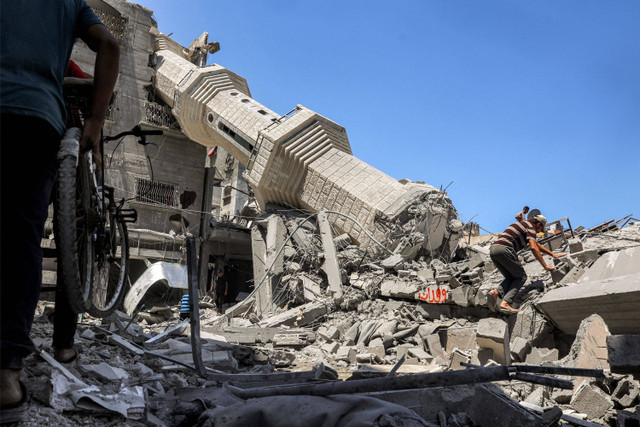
[[15, 412]]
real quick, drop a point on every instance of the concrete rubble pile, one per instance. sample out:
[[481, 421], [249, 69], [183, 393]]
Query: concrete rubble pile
[[398, 317]]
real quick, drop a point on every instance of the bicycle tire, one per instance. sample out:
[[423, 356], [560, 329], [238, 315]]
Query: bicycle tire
[[110, 270], [73, 235]]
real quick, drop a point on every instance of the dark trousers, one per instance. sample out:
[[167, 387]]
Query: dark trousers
[[506, 261], [219, 300], [28, 157]]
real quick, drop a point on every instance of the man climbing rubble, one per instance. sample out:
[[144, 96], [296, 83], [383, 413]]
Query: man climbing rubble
[[504, 254]]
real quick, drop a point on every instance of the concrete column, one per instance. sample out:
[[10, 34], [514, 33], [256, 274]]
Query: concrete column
[[259, 256], [330, 266]]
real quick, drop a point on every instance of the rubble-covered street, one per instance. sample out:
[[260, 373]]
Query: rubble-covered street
[[399, 318]]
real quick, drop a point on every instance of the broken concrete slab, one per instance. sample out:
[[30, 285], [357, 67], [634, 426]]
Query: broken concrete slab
[[540, 356], [106, 371], [614, 264], [591, 400], [297, 316], [461, 338], [615, 299]]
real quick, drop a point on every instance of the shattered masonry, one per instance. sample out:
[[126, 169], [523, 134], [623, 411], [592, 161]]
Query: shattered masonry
[[418, 309]]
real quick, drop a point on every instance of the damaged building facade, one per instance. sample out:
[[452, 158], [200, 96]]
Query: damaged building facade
[[347, 273]]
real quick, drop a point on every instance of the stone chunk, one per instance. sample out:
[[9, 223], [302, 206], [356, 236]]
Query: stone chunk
[[589, 349], [432, 342], [457, 357], [491, 334], [519, 348], [575, 245], [420, 354], [290, 340], [398, 289], [329, 333], [530, 325], [351, 336], [331, 347], [347, 354], [538, 356], [461, 338], [624, 353], [392, 262], [590, 400]]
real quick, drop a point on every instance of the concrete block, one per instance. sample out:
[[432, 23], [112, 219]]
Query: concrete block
[[420, 354], [347, 354], [572, 276], [626, 393], [458, 357], [368, 358], [392, 262], [530, 325], [589, 349], [519, 348], [575, 245], [281, 359], [399, 289], [463, 295], [536, 397], [329, 333], [351, 336], [376, 347], [590, 400], [331, 347], [461, 338], [402, 349], [434, 346], [624, 354], [539, 356], [290, 340], [491, 334]]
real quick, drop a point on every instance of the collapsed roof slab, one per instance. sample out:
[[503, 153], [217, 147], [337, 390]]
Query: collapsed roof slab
[[616, 300]]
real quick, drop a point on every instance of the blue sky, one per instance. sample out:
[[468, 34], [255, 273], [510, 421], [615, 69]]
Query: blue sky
[[518, 103]]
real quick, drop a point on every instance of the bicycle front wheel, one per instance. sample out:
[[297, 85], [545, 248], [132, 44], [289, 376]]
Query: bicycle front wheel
[[110, 267], [74, 225]]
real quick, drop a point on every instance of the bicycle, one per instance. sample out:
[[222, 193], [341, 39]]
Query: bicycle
[[90, 226]]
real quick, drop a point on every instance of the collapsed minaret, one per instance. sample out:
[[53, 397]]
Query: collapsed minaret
[[301, 159]]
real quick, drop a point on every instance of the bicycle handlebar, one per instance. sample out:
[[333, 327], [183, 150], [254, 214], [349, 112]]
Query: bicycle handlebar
[[136, 131]]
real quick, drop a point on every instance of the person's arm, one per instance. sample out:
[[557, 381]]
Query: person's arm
[[100, 40], [548, 252], [536, 250]]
